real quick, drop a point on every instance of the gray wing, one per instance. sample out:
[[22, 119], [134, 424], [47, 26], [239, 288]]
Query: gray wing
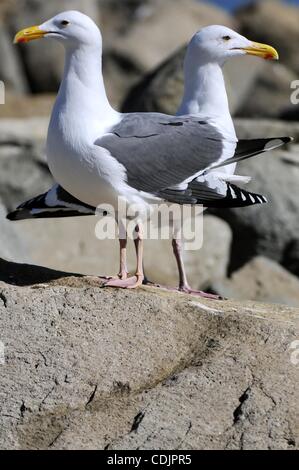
[[160, 151]]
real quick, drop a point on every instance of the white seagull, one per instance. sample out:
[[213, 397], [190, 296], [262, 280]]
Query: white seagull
[[97, 155]]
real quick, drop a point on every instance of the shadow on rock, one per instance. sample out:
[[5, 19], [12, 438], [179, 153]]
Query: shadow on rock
[[27, 275]]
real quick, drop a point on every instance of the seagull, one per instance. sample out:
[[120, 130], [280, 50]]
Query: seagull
[[98, 155]]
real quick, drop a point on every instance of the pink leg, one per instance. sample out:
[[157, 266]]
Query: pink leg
[[183, 282], [134, 281], [123, 271]]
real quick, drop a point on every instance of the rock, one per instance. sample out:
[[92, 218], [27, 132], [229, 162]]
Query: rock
[[261, 279], [90, 368], [159, 91], [22, 175], [135, 42], [11, 71], [259, 128], [28, 131], [269, 93], [211, 262], [24, 172], [203, 265], [12, 245], [47, 58], [26, 106], [275, 23], [145, 42]]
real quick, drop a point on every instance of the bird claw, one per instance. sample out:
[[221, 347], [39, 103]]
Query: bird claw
[[188, 290], [137, 281], [128, 283], [199, 293]]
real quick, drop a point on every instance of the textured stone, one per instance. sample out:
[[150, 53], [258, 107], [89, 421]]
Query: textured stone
[[261, 279], [12, 245], [275, 23], [145, 42], [269, 94], [90, 368], [11, 71]]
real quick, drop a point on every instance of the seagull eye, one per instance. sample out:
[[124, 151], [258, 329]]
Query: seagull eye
[[65, 23], [226, 38]]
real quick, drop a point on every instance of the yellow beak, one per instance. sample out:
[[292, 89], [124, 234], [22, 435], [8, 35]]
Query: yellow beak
[[28, 34], [262, 50]]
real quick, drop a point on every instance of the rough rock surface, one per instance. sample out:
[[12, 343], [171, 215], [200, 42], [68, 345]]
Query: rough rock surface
[[11, 71], [12, 245], [135, 41], [91, 368], [269, 93], [261, 279], [275, 23], [26, 106], [24, 171]]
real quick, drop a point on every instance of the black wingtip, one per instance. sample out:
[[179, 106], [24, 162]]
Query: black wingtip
[[12, 215], [286, 140]]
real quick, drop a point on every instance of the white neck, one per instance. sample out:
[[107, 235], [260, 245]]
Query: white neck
[[82, 87], [204, 92]]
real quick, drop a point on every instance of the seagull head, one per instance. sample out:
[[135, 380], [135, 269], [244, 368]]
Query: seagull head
[[218, 43], [71, 28]]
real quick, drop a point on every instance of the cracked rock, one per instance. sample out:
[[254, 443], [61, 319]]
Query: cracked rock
[[91, 368]]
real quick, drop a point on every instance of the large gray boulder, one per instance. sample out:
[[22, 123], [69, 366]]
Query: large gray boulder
[[89, 368], [24, 172], [261, 279], [274, 22], [27, 106], [11, 69], [146, 43], [135, 42], [12, 244], [269, 94]]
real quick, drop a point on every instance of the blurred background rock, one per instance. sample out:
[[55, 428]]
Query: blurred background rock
[[248, 253]]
